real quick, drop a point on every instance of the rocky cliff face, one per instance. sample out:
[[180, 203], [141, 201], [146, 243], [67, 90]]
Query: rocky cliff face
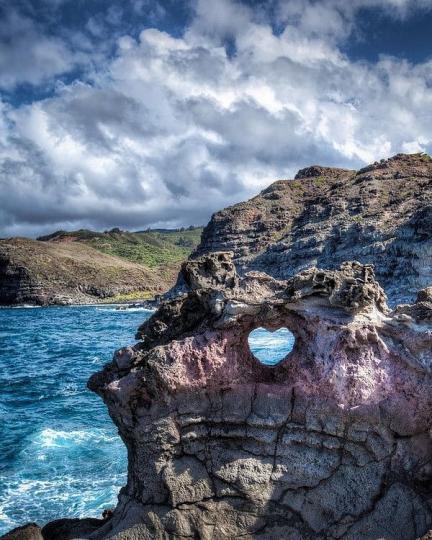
[[333, 442], [381, 214], [86, 266]]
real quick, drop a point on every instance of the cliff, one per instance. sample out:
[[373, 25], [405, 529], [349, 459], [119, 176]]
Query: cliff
[[41, 273], [379, 215], [333, 442], [85, 266]]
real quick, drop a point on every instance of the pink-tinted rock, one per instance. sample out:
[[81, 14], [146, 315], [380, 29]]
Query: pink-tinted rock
[[333, 442]]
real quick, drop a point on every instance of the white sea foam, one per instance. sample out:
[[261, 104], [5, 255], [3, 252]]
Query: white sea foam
[[52, 438], [26, 306], [126, 310], [146, 310], [70, 389], [61, 455], [81, 497]]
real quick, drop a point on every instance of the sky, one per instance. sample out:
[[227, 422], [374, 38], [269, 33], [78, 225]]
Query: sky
[[139, 113]]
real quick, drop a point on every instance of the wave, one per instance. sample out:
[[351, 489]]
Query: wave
[[52, 438], [61, 454], [32, 499], [70, 389], [70, 473], [126, 310], [22, 306]]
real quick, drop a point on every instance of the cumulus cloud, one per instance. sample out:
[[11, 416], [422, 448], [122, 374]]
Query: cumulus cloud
[[27, 55], [335, 19], [173, 128]]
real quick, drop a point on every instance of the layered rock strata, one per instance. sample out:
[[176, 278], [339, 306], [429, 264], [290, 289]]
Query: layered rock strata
[[381, 214], [333, 442]]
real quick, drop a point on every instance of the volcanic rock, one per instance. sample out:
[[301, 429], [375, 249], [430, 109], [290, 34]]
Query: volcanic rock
[[71, 529], [332, 442], [31, 531], [379, 215]]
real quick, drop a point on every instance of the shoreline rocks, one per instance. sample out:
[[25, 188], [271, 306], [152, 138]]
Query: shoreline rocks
[[30, 531], [332, 442]]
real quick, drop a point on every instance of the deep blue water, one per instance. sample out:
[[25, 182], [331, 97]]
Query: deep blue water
[[60, 455]]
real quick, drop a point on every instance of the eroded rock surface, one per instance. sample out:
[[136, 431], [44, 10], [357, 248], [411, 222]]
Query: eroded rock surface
[[379, 215], [333, 442], [31, 531]]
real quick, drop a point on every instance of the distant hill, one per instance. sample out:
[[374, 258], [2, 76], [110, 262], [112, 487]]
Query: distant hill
[[163, 248], [87, 266]]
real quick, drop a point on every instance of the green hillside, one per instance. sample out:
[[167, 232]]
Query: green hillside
[[163, 249]]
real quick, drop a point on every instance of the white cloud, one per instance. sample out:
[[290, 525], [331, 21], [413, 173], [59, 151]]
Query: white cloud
[[27, 55], [335, 18], [173, 129]]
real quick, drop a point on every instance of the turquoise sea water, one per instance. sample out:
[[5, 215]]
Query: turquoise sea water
[[60, 455], [271, 347]]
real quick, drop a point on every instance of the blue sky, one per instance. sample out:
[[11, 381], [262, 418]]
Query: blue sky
[[142, 113]]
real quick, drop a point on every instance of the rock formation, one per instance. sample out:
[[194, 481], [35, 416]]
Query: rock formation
[[379, 215], [31, 531], [333, 442]]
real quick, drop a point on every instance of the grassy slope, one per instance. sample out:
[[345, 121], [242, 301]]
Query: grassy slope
[[76, 270], [82, 264], [162, 250], [152, 249]]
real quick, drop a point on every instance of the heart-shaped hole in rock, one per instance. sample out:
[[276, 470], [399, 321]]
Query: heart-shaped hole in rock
[[270, 348]]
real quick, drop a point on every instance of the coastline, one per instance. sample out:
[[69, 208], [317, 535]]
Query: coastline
[[150, 304]]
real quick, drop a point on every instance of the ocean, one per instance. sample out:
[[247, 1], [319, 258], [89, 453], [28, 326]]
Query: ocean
[[60, 454]]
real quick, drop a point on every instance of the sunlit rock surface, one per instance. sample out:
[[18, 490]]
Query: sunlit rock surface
[[381, 214], [333, 442]]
